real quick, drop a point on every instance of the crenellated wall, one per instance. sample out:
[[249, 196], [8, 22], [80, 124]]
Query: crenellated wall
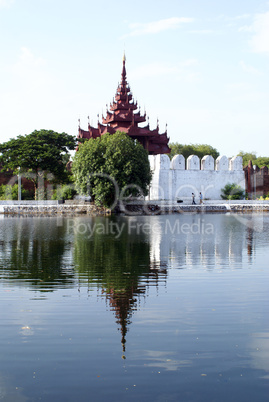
[[179, 178]]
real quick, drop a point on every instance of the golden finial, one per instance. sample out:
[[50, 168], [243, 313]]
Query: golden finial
[[124, 57]]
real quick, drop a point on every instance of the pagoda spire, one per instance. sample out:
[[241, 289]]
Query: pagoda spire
[[123, 74], [123, 116]]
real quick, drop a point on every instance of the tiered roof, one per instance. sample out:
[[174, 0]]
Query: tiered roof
[[122, 117]]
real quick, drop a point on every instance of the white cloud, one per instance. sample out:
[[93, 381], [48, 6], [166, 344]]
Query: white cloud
[[260, 40], [202, 31], [249, 69], [244, 92], [180, 70], [188, 62], [260, 31], [28, 95], [241, 17], [27, 58], [152, 70], [29, 69], [245, 28], [6, 3], [157, 26]]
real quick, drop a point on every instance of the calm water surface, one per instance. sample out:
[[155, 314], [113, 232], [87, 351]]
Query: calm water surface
[[159, 308]]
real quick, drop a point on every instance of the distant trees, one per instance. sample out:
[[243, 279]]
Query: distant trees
[[247, 156], [39, 155], [259, 161], [105, 166], [192, 149], [203, 149]]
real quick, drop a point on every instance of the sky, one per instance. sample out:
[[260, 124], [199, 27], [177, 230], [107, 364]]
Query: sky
[[199, 66]]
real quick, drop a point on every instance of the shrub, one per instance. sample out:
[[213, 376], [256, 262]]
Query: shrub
[[264, 198], [65, 192], [8, 192], [232, 192]]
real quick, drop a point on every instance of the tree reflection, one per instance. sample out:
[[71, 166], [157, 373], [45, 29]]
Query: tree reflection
[[39, 254], [120, 267], [32, 251]]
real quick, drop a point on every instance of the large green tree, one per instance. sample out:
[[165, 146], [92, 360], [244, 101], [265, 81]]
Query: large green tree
[[192, 149], [37, 155], [104, 166]]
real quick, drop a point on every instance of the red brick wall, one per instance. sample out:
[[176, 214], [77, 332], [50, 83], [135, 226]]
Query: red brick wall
[[257, 181], [9, 178]]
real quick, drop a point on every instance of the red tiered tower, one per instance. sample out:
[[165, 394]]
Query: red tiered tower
[[122, 118]]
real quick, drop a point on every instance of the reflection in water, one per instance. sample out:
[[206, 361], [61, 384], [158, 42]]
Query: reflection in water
[[123, 267], [120, 267], [250, 242], [125, 258], [207, 240], [33, 252], [44, 254], [202, 331]]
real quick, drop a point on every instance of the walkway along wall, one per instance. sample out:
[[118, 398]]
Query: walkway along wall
[[178, 179]]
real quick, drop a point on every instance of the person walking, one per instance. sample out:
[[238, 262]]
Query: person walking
[[193, 199], [201, 198]]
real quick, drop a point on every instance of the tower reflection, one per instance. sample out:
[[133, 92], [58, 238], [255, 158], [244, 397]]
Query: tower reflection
[[121, 267], [123, 257], [124, 267]]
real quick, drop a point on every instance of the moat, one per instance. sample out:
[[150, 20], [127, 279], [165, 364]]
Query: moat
[[126, 308]]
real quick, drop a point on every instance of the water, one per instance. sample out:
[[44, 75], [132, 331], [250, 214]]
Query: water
[[156, 308]]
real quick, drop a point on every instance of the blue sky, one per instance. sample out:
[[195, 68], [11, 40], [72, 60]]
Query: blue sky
[[200, 66]]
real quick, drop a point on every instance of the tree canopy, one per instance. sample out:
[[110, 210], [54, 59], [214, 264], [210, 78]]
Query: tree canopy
[[104, 166], [192, 149], [38, 154], [259, 161]]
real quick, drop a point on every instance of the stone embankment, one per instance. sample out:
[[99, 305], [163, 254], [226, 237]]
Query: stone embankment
[[166, 207], [54, 208], [46, 208]]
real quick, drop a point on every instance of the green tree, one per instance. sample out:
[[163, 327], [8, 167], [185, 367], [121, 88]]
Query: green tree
[[104, 165], [248, 156], [192, 149], [259, 161], [232, 192], [37, 154]]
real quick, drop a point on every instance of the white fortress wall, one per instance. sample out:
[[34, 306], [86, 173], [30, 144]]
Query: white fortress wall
[[179, 178]]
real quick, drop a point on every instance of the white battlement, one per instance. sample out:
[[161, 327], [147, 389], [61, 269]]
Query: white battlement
[[179, 178], [193, 162]]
